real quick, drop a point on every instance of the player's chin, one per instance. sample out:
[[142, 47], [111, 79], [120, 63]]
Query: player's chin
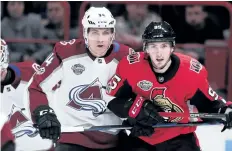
[[101, 53], [160, 66]]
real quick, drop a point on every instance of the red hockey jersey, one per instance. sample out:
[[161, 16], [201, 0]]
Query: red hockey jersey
[[182, 88]]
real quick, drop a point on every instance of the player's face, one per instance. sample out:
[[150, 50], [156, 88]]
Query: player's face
[[99, 40], [159, 53]]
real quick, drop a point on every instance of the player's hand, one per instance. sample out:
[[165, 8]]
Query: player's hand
[[138, 129], [47, 122], [149, 114], [228, 122], [145, 112]]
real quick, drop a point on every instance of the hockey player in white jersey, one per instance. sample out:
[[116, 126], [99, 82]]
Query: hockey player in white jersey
[[14, 78], [7, 138], [83, 67]]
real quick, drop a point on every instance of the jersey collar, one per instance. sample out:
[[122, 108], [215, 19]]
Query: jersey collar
[[170, 73], [109, 56]]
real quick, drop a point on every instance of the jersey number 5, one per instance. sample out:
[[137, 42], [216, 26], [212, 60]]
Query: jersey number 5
[[213, 94], [113, 83]]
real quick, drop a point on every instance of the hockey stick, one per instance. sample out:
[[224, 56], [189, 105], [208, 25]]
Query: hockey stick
[[215, 116], [120, 127], [194, 115]]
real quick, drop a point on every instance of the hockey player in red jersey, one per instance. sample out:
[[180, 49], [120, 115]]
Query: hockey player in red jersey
[[160, 80], [84, 68], [14, 79]]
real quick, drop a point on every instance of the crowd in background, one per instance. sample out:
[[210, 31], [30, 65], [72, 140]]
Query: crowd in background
[[44, 20]]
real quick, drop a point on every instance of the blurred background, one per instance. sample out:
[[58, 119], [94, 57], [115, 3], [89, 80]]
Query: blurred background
[[203, 30]]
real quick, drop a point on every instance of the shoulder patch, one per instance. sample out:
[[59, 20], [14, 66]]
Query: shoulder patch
[[133, 56], [195, 66], [145, 85]]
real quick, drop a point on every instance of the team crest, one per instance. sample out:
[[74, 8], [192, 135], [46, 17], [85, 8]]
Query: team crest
[[165, 104], [78, 69], [20, 124], [145, 85], [88, 97]]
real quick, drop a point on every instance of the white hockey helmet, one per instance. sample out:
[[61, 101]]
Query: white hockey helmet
[[4, 55], [97, 17]]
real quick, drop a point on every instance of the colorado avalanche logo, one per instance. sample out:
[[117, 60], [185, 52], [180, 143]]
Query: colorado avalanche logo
[[88, 98], [20, 124]]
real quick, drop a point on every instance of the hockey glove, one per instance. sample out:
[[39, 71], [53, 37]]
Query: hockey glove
[[47, 122], [145, 112], [228, 120], [138, 129]]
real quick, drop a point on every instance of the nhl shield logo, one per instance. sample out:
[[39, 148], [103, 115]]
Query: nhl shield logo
[[145, 85], [78, 69]]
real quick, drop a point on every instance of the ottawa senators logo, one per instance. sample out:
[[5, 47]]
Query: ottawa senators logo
[[165, 104]]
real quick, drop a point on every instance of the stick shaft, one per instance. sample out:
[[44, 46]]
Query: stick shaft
[[120, 127]]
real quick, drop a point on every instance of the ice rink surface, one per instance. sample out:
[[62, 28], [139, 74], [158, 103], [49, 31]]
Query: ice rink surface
[[211, 138]]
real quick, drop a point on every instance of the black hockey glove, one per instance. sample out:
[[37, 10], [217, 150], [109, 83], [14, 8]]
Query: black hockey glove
[[228, 120], [145, 112], [138, 129], [47, 122], [142, 116]]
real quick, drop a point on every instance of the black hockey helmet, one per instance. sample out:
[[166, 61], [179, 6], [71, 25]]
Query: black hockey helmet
[[159, 31]]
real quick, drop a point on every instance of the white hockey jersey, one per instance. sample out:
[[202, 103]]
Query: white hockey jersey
[[6, 135], [12, 105], [81, 99]]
